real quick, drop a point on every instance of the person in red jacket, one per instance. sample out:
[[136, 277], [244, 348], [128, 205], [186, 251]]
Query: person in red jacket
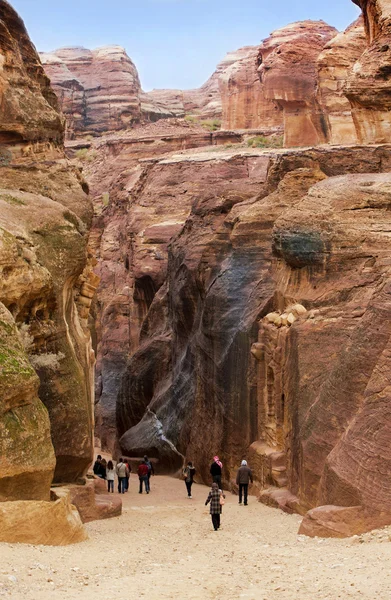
[[143, 471]]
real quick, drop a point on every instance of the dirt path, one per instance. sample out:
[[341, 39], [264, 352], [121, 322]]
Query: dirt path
[[164, 547]]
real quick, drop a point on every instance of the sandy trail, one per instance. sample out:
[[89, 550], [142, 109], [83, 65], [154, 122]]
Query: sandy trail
[[164, 547]]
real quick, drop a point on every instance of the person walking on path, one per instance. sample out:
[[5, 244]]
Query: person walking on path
[[127, 475], [110, 476], [143, 477], [216, 470], [151, 470], [122, 473], [216, 505], [188, 474], [243, 478]]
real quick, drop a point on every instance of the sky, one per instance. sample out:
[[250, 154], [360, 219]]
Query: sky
[[174, 43]]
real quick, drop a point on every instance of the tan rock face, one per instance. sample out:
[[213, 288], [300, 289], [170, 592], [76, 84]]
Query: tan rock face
[[27, 455], [368, 87], [98, 90], [334, 66], [54, 523], [288, 71], [44, 278], [243, 98]]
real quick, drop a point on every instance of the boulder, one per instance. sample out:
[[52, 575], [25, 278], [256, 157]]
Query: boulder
[[55, 523]]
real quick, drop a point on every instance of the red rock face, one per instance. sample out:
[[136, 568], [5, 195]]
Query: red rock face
[[98, 90], [334, 66], [368, 87], [288, 72], [230, 266], [28, 106], [243, 98]]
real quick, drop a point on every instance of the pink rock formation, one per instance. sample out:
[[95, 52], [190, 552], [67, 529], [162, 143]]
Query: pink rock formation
[[288, 72], [99, 90], [199, 329], [335, 64], [368, 87], [243, 97]]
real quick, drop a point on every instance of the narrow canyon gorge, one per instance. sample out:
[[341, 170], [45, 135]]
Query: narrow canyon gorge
[[185, 273]]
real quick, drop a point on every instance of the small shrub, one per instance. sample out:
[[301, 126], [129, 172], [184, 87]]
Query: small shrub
[[105, 198], [261, 141], [81, 154], [213, 125], [191, 119]]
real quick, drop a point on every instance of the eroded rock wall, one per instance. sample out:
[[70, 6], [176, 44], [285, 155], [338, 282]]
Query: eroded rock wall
[[288, 72], [335, 64], [193, 388], [98, 90], [368, 87], [244, 105], [44, 220]]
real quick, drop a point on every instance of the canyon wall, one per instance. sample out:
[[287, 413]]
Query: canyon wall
[[244, 105], [368, 87], [98, 90], [46, 283], [288, 73]]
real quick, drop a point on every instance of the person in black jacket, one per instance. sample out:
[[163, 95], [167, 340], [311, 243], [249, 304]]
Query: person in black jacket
[[216, 470]]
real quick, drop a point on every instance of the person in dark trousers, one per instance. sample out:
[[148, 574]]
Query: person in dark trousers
[[243, 478], [143, 477], [215, 496], [151, 470], [188, 474], [128, 472], [122, 472], [96, 468], [216, 470]]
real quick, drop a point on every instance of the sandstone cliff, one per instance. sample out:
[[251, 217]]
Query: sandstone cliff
[[288, 72], [243, 98], [368, 87], [98, 90], [335, 64], [44, 219]]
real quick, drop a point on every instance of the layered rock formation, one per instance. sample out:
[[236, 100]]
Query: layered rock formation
[[288, 72], [368, 87], [98, 90], [335, 64], [244, 105], [191, 387], [44, 288]]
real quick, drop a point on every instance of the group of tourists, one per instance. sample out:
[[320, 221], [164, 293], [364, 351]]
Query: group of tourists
[[216, 497], [105, 470]]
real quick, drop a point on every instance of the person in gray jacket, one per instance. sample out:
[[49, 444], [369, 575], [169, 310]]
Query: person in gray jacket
[[243, 478]]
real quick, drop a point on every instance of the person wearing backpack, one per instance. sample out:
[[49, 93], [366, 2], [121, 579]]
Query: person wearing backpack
[[122, 473], [188, 476]]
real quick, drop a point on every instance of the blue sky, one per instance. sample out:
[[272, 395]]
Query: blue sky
[[174, 43]]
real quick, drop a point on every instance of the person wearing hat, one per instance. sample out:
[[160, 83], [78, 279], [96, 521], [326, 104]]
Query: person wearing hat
[[243, 478]]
